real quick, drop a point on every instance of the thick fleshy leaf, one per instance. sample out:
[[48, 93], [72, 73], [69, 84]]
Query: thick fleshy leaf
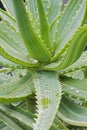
[[48, 94], [12, 38], [72, 113], [30, 64], [16, 118], [59, 125], [79, 64], [34, 44], [8, 64], [44, 26], [12, 47], [54, 12], [52, 9], [13, 89], [23, 117], [75, 87], [69, 22], [8, 6], [3, 126], [8, 19], [10, 121], [77, 44], [32, 5]]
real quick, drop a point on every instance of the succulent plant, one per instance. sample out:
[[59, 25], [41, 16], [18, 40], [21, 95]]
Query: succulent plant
[[43, 80]]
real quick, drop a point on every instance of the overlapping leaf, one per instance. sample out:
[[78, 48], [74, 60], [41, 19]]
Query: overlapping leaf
[[6, 63], [69, 22], [8, 19], [34, 44], [48, 94], [16, 118], [12, 47], [72, 113], [77, 44], [75, 87], [8, 8], [13, 89], [79, 64]]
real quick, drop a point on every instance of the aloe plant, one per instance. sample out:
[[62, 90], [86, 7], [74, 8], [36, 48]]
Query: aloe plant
[[43, 82]]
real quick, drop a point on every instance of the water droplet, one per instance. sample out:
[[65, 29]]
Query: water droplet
[[83, 60], [77, 91], [71, 88]]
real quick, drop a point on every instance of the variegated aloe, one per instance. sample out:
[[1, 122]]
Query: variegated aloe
[[41, 47]]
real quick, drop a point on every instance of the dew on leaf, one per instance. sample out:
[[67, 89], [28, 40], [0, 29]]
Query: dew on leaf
[[71, 88], [84, 60], [77, 91]]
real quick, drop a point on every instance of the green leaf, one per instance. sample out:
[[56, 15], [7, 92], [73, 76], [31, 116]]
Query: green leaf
[[14, 89], [70, 20], [77, 45], [8, 64], [75, 87], [44, 26], [34, 44], [79, 64], [54, 13], [32, 5], [54, 9], [48, 94], [8, 6], [9, 35], [23, 117], [8, 19], [59, 124], [72, 113], [31, 63], [16, 118], [12, 47], [10, 121]]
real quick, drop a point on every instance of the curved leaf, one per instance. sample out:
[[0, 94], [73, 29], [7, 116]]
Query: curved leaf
[[54, 9], [75, 87], [8, 6], [59, 124], [72, 113], [44, 26], [48, 94], [8, 64], [79, 64], [12, 38], [69, 22], [8, 19], [34, 44], [12, 47], [31, 64], [13, 89], [23, 117], [77, 44], [16, 118]]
